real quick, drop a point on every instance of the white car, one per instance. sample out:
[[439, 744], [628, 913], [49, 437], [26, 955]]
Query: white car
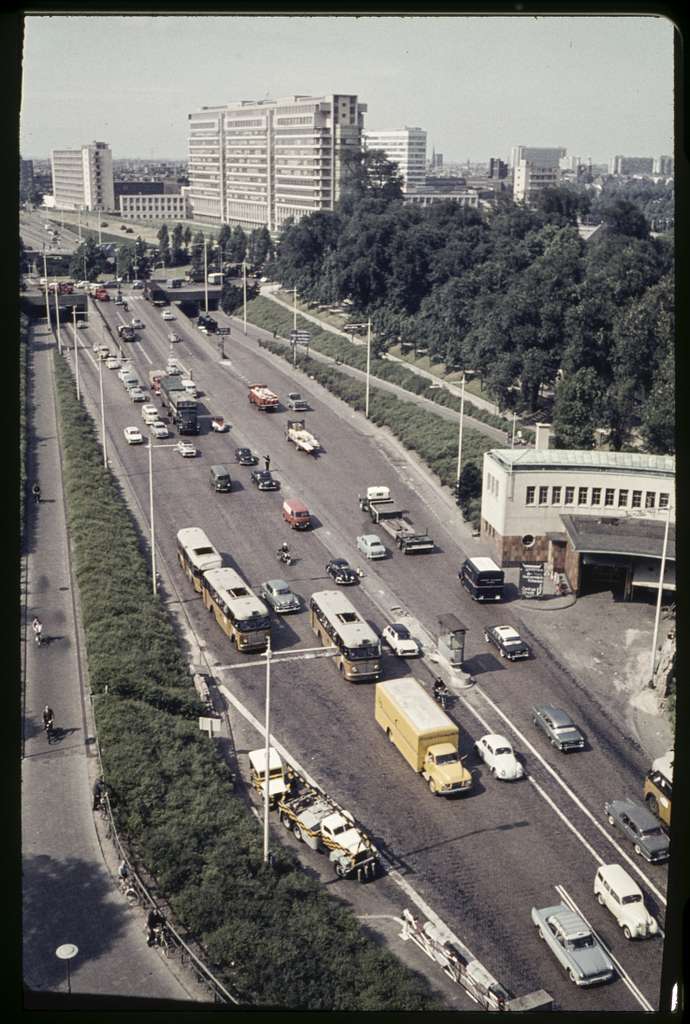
[[137, 324], [186, 449], [113, 363], [137, 395], [149, 410], [370, 545], [497, 753], [202, 329], [159, 429], [174, 338], [400, 641], [125, 369], [167, 314], [133, 435]]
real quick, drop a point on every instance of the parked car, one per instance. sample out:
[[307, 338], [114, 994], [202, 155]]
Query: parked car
[[619, 893], [558, 726], [186, 449], [341, 572], [641, 827], [370, 545], [159, 429], [133, 435], [137, 395], [202, 329], [508, 641], [174, 338], [137, 324], [400, 641], [571, 941], [498, 755], [246, 457], [281, 599], [263, 479], [168, 314], [113, 363]]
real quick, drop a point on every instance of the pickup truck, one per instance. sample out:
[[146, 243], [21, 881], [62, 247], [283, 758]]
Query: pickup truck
[[303, 441], [384, 512], [316, 820], [262, 398]]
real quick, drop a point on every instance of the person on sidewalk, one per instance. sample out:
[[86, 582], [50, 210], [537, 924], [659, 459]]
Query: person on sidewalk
[[48, 717], [154, 922], [99, 791], [37, 627], [36, 491], [267, 460]]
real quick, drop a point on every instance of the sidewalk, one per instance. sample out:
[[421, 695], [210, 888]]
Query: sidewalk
[[68, 894]]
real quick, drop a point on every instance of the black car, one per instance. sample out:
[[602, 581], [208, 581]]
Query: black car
[[263, 479], [508, 641], [341, 572], [246, 457]]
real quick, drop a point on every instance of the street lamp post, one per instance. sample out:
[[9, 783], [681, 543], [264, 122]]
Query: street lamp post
[[244, 292], [294, 309], [45, 279], [205, 274], [152, 522], [100, 388], [462, 409], [366, 395], [57, 321], [662, 572], [76, 349], [267, 747]]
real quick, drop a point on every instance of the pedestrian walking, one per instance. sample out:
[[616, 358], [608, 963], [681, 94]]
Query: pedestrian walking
[[99, 790], [267, 460], [36, 491]]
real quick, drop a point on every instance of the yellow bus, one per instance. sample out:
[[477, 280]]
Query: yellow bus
[[237, 609], [337, 624], [196, 554]]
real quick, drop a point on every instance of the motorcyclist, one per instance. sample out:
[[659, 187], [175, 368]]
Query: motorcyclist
[[439, 688], [36, 491], [284, 552]]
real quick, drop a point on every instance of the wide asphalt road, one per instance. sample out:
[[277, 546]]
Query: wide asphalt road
[[481, 861]]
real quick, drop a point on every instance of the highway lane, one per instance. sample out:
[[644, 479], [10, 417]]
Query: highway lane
[[329, 725]]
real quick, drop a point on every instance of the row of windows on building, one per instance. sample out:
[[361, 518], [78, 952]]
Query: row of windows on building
[[592, 496]]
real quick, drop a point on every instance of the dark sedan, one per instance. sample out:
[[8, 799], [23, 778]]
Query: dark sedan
[[246, 457], [341, 572], [263, 479], [558, 726]]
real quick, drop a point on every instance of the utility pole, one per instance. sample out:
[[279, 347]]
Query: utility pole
[[57, 320], [244, 291], [662, 572], [462, 410], [205, 275], [267, 726], [366, 399], [45, 278], [76, 349]]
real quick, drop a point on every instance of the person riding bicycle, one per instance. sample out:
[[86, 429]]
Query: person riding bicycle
[[37, 627], [36, 491], [48, 718]]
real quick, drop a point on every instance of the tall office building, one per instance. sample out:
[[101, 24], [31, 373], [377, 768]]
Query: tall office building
[[259, 162], [407, 148], [83, 178], [663, 166], [534, 169]]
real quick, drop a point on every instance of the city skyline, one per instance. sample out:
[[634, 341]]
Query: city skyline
[[598, 86]]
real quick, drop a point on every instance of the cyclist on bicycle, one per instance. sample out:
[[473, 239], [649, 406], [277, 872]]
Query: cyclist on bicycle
[[37, 627], [48, 719]]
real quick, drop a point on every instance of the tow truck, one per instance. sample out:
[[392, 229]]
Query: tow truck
[[262, 397], [383, 511], [296, 432]]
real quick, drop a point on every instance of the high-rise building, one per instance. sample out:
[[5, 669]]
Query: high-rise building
[[534, 169], [83, 178], [497, 168], [663, 166], [405, 147], [259, 162], [631, 165], [26, 175]]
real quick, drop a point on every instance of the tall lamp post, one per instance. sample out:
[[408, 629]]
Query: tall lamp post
[[45, 279], [57, 320], [662, 572], [462, 410], [152, 521], [267, 726], [205, 274], [76, 349], [244, 292], [100, 388]]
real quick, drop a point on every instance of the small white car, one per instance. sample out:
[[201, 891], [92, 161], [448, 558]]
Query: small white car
[[125, 369], [174, 338], [168, 314], [113, 363], [202, 329], [137, 324], [148, 410], [370, 545], [497, 753], [159, 429], [133, 435], [137, 395], [400, 641], [186, 449]]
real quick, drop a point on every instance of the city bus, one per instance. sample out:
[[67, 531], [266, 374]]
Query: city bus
[[196, 554], [237, 609], [336, 623]]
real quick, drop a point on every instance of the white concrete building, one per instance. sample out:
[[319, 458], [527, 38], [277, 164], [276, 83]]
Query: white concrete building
[[534, 169], [468, 198], [159, 206], [407, 148], [584, 513], [83, 178], [259, 162]]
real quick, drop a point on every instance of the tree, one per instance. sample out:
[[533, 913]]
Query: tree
[[237, 247], [658, 413], [231, 298], [187, 236], [196, 271], [224, 236], [177, 253], [624, 218], [469, 488], [260, 247], [369, 173], [577, 409], [87, 261], [164, 244]]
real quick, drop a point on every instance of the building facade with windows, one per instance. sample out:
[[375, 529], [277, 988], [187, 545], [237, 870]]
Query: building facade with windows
[[260, 162], [631, 165], [161, 206], [406, 147], [588, 514], [83, 178], [534, 169]]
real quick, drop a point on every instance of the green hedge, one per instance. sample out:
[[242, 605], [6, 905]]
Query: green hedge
[[272, 933]]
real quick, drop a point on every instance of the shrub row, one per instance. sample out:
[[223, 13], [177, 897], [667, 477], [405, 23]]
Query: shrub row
[[269, 315], [271, 933]]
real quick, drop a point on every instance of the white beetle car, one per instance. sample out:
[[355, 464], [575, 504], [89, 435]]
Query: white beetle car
[[133, 435], [497, 753]]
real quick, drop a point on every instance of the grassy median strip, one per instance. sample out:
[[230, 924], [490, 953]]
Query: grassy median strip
[[271, 933]]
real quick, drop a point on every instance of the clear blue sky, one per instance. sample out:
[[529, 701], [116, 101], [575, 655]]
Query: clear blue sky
[[479, 85]]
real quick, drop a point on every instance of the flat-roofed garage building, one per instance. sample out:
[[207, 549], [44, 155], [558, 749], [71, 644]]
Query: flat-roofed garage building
[[597, 516]]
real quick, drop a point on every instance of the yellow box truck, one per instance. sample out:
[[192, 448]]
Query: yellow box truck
[[424, 734]]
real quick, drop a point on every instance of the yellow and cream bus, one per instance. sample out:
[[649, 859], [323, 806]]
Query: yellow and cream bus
[[336, 623], [237, 609], [196, 554]]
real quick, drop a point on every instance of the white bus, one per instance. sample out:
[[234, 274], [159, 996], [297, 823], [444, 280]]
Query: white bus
[[196, 554], [336, 622], [237, 609]]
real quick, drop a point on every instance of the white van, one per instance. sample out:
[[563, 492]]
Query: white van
[[149, 414], [619, 893]]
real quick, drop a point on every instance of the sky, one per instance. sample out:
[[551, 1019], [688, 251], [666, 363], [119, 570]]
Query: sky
[[598, 86]]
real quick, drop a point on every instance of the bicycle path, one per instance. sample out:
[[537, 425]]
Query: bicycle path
[[68, 894]]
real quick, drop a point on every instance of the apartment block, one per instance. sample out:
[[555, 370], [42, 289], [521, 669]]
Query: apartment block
[[161, 206], [83, 178], [407, 148], [260, 162], [631, 165], [534, 169]]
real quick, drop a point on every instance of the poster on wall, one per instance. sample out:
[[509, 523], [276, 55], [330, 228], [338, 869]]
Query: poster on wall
[[531, 579]]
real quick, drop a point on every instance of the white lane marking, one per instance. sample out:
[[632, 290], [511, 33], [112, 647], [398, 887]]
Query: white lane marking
[[320, 652], [625, 977], [566, 788], [146, 356]]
